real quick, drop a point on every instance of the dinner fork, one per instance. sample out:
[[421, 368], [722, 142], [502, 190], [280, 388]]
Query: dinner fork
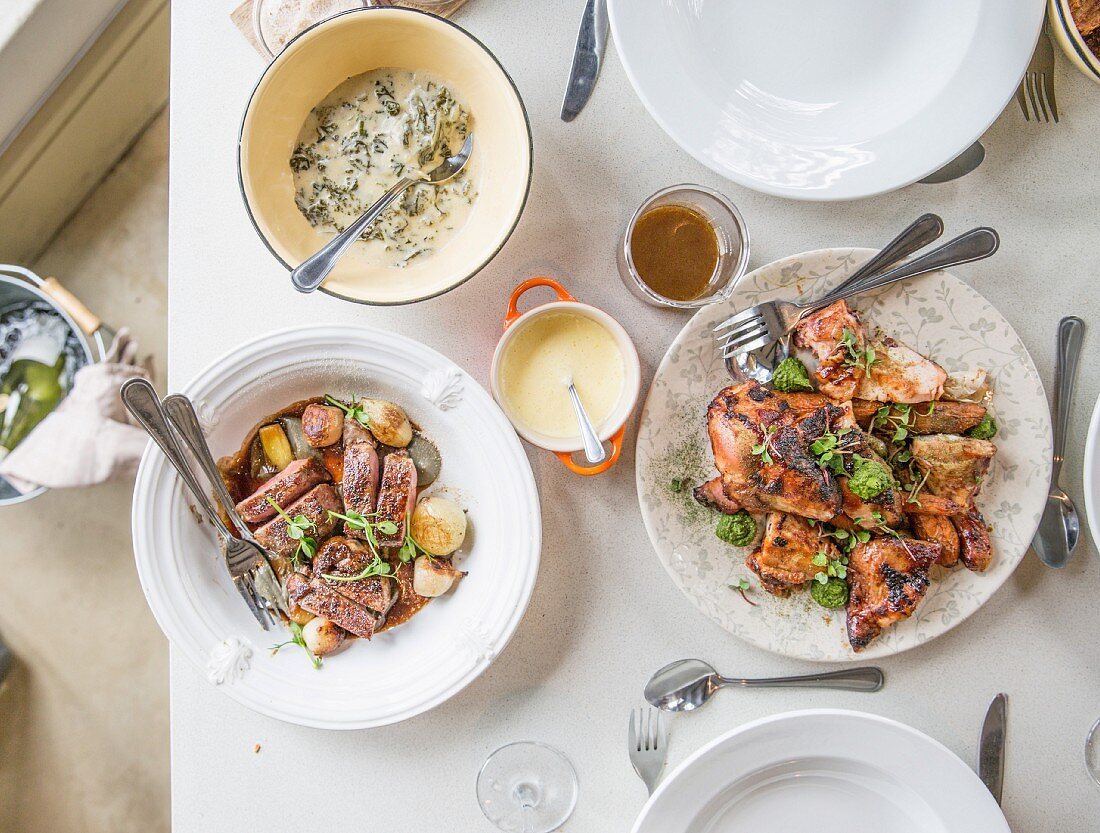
[[242, 557], [1037, 86], [764, 323], [648, 741], [182, 415]]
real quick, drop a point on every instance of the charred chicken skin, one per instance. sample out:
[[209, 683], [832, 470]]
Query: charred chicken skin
[[785, 479], [887, 578], [784, 560]]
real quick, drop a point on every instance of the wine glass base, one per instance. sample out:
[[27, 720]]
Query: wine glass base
[[527, 787], [1092, 752]]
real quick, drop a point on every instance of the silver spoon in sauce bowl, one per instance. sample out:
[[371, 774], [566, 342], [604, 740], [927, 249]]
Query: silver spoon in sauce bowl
[[310, 273], [687, 684], [593, 449]]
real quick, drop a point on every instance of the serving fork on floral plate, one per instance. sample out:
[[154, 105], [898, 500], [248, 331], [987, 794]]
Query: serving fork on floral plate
[[768, 322], [245, 560]]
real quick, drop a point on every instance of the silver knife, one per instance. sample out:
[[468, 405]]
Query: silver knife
[[587, 58], [991, 747]]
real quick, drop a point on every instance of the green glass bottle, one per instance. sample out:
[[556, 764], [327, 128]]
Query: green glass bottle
[[33, 384]]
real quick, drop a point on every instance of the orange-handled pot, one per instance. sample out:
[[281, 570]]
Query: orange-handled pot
[[611, 429]]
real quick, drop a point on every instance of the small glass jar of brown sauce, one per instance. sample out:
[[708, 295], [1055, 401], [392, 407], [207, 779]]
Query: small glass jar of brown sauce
[[685, 247]]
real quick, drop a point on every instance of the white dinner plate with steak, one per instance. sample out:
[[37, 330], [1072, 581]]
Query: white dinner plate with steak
[[774, 603], [824, 770], [410, 663]]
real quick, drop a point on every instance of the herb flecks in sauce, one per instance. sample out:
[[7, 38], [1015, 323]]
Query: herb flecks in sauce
[[365, 135], [675, 251]]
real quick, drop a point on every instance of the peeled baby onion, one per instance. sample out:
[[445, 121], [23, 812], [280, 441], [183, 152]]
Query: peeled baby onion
[[387, 422], [322, 636], [432, 577], [438, 525]]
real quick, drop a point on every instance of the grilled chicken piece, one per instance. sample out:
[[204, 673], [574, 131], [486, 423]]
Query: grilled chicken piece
[[323, 425], [900, 374], [956, 466], [822, 332], [359, 487], [939, 530], [397, 497], [738, 419], [284, 488], [1086, 15], [975, 547], [942, 417], [342, 556], [711, 495], [319, 598], [315, 505], [784, 559], [929, 504], [887, 578], [887, 506]]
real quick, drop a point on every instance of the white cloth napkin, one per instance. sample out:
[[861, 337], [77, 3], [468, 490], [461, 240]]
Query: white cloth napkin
[[89, 437]]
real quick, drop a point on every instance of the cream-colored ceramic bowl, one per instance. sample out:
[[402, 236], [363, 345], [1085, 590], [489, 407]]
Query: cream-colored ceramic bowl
[[349, 44], [611, 429], [1069, 38]]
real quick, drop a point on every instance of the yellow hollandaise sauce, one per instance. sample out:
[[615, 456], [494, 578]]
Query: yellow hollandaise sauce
[[548, 350]]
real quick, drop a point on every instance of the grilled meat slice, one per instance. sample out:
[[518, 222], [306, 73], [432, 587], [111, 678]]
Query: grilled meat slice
[[900, 374], [1086, 15], [871, 513], [747, 415], [956, 466], [323, 425], [940, 530], [942, 417], [284, 488], [355, 432], [975, 546], [320, 599], [929, 504], [359, 487], [784, 559], [887, 578], [315, 505], [340, 556], [823, 333], [397, 497]]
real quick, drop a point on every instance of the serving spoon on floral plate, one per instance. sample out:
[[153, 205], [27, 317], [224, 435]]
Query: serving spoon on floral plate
[[310, 273]]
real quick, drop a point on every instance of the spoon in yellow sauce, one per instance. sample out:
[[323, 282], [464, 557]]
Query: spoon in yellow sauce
[[593, 448]]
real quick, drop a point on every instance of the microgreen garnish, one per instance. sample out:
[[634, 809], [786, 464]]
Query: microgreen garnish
[[297, 528], [856, 357], [370, 529], [763, 450], [830, 449], [296, 638], [899, 421], [353, 411], [377, 567], [741, 586], [831, 567], [844, 538]]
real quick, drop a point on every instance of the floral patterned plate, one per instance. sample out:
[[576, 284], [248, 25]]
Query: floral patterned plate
[[936, 314]]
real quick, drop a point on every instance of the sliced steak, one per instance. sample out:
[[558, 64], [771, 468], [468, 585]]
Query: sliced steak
[[360, 484], [354, 432], [320, 599], [397, 497], [342, 556], [284, 488], [323, 425], [315, 505]]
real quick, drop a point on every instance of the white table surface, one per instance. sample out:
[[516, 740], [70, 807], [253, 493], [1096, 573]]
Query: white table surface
[[604, 613]]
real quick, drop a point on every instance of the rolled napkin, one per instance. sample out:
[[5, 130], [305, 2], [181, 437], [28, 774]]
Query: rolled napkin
[[88, 438]]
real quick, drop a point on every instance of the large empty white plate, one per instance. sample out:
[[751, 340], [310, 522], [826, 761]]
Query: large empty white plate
[[827, 771], [825, 100]]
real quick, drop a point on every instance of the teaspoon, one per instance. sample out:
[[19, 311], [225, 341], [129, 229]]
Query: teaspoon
[[1060, 527], [310, 273], [687, 684], [593, 448]]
